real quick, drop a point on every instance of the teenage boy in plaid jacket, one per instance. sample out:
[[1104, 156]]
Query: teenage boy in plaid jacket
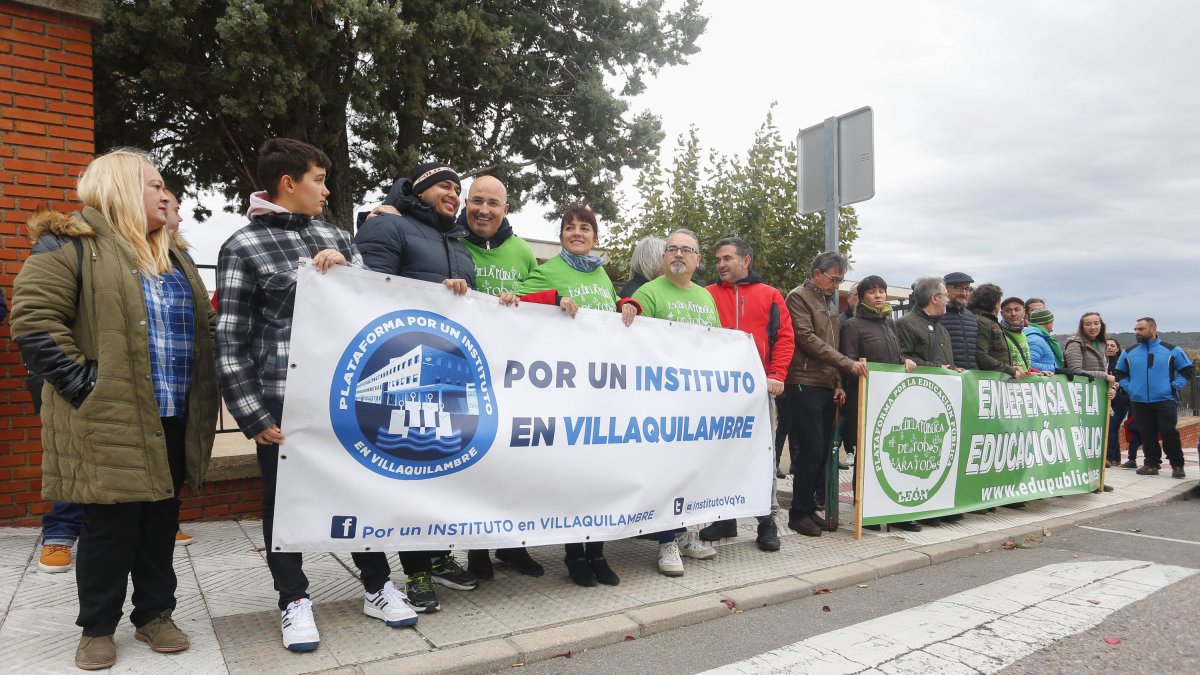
[[256, 294]]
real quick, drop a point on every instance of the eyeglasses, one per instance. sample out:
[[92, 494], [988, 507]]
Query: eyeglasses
[[966, 288], [672, 250], [836, 280], [480, 201]]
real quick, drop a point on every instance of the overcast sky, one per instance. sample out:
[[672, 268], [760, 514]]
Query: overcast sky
[[1048, 147]]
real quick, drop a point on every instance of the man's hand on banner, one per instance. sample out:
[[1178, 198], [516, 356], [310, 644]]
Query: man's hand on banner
[[859, 368], [508, 299], [774, 387], [459, 286], [272, 436], [628, 312], [909, 365], [327, 258]]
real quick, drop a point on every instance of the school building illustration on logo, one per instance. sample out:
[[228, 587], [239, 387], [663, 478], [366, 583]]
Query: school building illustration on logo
[[425, 388]]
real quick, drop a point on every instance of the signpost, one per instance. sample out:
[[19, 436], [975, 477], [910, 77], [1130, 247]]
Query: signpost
[[836, 167]]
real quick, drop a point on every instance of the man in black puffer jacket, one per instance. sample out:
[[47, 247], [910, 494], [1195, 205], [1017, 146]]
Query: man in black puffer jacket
[[414, 234], [960, 322]]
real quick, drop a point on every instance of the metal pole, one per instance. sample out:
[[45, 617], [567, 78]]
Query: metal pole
[[832, 190]]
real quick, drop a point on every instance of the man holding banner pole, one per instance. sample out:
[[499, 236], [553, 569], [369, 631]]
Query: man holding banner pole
[[814, 385], [744, 303]]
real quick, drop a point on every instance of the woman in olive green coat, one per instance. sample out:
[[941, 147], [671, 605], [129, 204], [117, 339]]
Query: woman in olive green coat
[[115, 318]]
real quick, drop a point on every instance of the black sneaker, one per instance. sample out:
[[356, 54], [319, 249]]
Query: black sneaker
[[521, 561], [953, 518], [447, 572], [603, 572], [1176, 472], [780, 475], [910, 526], [768, 535], [719, 530], [580, 571], [421, 594], [1130, 464], [1147, 470]]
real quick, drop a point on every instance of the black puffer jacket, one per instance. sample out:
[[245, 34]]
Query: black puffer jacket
[[418, 244], [963, 328]]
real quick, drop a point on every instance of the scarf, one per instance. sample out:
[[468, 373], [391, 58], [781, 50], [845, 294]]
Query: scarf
[[581, 263], [1011, 328], [882, 311]]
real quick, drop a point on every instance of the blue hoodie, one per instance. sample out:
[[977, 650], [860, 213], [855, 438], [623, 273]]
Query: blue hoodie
[[1154, 371]]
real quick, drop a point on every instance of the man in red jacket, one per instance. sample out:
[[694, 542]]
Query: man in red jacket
[[744, 303]]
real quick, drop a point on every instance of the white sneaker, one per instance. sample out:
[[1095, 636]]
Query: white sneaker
[[669, 562], [694, 548], [299, 627], [389, 605]]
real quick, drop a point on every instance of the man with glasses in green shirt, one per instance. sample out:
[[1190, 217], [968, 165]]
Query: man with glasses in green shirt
[[674, 297]]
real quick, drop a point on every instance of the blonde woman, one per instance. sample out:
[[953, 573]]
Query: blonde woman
[[117, 321]]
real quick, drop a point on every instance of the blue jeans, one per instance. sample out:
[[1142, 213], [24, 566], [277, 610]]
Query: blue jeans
[[62, 524]]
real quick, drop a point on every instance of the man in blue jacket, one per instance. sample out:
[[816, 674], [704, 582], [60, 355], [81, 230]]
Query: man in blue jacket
[[1153, 372]]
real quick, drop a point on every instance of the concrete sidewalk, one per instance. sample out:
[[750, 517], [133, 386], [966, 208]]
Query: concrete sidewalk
[[227, 605]]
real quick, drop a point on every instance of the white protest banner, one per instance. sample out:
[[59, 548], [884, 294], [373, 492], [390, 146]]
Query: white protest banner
[[420, 420]]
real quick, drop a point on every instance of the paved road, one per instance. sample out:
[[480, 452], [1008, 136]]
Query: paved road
[[1058, 598]]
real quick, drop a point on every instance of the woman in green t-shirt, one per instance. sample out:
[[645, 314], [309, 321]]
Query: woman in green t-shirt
[[573, 279]]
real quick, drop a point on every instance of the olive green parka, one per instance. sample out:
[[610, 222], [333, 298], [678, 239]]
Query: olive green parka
[[80, 319]]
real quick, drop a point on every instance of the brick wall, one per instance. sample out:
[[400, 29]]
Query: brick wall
[[45, 141]]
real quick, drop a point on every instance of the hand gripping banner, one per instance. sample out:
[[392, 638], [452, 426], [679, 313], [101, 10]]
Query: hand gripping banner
[[420, 420]]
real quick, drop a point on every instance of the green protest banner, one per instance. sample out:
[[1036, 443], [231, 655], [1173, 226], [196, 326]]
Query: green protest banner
[[935, 442]]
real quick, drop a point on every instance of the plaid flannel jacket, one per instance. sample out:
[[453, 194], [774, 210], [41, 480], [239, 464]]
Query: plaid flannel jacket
[[172, 337], [256, 296]]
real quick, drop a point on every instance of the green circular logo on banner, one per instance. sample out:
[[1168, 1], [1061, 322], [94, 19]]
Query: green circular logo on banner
[[916, 441]]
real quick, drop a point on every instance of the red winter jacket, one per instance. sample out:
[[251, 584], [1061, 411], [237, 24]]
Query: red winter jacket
[[758, 309]]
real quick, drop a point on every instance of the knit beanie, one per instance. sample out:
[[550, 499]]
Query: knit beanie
[[1041, 316], [429, 174]]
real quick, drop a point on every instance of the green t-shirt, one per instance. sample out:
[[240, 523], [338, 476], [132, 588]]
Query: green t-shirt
[[588, 289], [662, 299], [502, 268]]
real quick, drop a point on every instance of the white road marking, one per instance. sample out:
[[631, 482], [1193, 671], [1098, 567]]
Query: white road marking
[[1139, 534], [977, 631]]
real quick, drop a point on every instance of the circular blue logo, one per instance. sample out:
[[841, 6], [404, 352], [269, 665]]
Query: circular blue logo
[[412, 398]]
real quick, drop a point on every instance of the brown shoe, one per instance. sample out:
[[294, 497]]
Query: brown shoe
[[805, 526], [162, 634], [95, 653], [824, 523]]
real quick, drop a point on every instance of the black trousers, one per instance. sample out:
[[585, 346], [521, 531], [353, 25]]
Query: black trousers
[[1154, 420], [287, 569], [810, 439], [1120, 408], [131, 540]]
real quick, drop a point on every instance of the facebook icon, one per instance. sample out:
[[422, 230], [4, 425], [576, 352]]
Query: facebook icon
[[343, 527]]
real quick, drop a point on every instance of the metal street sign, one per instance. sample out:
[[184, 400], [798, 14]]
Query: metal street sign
[[836, 167]]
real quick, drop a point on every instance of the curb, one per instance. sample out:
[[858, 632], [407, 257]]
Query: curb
[[520, 649]]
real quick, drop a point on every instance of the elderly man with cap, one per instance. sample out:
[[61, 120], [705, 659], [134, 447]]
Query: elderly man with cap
[[1045, 354], [959, 321], [414, 234]]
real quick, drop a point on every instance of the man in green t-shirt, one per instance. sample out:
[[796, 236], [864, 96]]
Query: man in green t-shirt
[[674, 297], [502, 259]]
